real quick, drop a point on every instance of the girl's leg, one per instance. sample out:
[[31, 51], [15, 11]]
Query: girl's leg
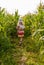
[[20, 40]]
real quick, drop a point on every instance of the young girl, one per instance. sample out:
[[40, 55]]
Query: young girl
[[20, 30]]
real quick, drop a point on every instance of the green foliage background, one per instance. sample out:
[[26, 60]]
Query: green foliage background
[[31, 52]]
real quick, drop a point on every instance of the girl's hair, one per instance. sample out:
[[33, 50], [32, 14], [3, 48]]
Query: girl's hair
[[20, 20]]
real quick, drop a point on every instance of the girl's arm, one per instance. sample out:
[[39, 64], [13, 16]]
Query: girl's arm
[[17, 27]]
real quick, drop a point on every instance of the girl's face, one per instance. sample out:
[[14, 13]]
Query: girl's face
[[21, 23]]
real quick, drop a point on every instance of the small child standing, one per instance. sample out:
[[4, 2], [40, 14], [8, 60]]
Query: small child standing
[[20, 30]]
